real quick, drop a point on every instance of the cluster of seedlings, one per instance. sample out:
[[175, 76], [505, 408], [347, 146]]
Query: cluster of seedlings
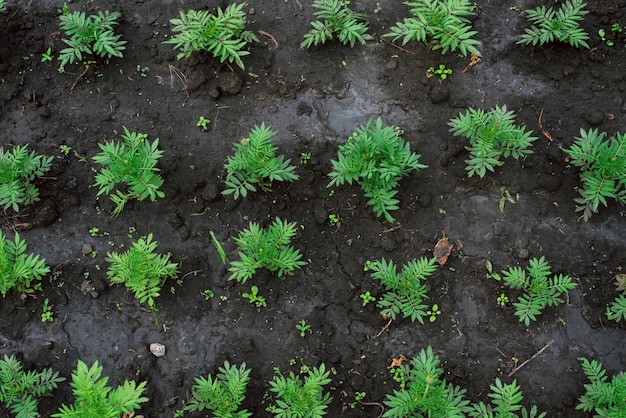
[[376, 157]]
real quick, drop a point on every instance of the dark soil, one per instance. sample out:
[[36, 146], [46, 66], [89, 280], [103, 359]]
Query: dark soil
[[314, 99]]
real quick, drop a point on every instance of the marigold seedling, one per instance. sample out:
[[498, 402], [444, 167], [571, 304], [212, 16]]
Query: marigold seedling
[[336, 19], [222, 34], [376, 158], [563, 25], [19, 168], [441, 24]]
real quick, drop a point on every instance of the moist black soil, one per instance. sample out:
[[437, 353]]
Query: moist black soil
[[314, 99]]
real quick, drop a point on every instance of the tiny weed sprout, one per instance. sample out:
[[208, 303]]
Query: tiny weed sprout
[[423, 392], [47, 56], [222, 394], [18, 269], [305, 157], [605, 398], [563, 25], [505, 196], [89, 35], [47, 315], [358, 397], [502, 300], [255, 163], [266, 248], [336, 19], [376, 158], [442, 72], [208, 294], [222, 34], [490, 273], [20, 391], [295, 397], [254, 298], [18, 170], [440, 24], [539, 289], [367, 298], [505, 402], [405, 291], [133, 163], [333, 219], [433, 313], [617, 310], [603, 169], [602, 35], [141, 269], [95, 399], [303, 327], [203, 123], [65, 149], [492, 135]]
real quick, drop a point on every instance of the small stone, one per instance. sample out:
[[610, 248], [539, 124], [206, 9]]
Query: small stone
[[522, 253], [86, 249], [158, 350]]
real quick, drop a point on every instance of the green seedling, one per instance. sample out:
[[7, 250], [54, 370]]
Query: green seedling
[[617, 310], [502, 300], [305, 157], [65, 149], [222, 394], [208, 294], [442, 72], [440, 24], [47, 315], [222, 34], [603, 169], [89, 35], [367, 298], [405, 291], [133, 163], [254, 298], [266, 248], [505, 196], [95, 399], [255, 163], [303, 327], [424, 393], [141, 269], [18, 170], [376, 158], [490, 273], [336, 19], [492, 135], [219, 248], [47, 56], [505, 399], [95, 232], [21, 390], [603, 397], [539, 288], [358, 397], [143, 70], [3, 5], [295, 397], [19, 269], [602, 35], [563, 25], [333, 219], [616, 28], [433, 313], [203, 123]]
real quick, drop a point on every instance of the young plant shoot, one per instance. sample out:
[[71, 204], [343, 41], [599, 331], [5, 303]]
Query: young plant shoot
[[266, 248], [376, 158], [222, 34], [133, 163], [563, 25], [440, 24], [255, 163], [18, 170], [336, 19], [492, 135]]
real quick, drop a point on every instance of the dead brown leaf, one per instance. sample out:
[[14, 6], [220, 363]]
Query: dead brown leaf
[[442, 250], [396, 362]]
